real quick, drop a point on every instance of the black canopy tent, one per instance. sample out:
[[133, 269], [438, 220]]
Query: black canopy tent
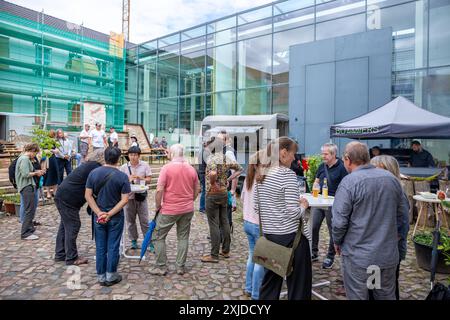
[[399, 118]]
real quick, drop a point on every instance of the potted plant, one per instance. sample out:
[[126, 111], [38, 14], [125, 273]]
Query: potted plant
[[10, 202], [423, 245]]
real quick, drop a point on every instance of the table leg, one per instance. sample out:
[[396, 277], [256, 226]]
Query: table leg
[[418, 218], [444, 216]]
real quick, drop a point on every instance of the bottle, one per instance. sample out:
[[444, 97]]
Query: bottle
[[316, 188], [325, 189]]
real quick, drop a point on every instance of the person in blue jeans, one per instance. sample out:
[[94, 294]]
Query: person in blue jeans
[[255, 272], [111, 187]]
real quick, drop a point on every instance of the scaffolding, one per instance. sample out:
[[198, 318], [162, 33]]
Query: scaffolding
[[57, 74]]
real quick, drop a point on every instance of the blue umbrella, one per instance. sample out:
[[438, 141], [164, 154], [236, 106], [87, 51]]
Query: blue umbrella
[[148, 236]]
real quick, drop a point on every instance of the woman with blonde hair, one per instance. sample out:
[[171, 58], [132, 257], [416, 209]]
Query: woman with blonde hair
[[255, 272], [390, 164], [281, 210]]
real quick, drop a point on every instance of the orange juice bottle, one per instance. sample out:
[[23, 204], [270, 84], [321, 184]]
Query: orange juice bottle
[[325, 189], [316, 188]]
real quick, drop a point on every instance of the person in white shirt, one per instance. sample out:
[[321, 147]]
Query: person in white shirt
[[85, 140], [113, 138], [98, 137]]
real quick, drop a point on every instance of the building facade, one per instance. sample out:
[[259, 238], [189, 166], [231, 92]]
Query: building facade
[[57, 73], [241, 64]]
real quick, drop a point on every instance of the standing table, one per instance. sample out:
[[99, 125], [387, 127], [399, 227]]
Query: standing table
[[319, 202], [437, 207]]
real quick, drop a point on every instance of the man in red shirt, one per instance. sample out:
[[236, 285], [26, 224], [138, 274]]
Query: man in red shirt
[[177, 189]]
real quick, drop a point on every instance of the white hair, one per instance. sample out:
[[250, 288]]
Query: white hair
[[176, 150], [332, 148]]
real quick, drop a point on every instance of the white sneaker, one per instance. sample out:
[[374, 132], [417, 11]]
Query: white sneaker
[[31, 237]]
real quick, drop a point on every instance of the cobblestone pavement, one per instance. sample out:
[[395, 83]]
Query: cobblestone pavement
[[27, 269]]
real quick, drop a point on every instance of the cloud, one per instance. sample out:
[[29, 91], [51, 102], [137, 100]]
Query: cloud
[[149, 19]]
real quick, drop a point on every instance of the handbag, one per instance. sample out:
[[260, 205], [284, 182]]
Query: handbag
[[273, 256], [138, 196]]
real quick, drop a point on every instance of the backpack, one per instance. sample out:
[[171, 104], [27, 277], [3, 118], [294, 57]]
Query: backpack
[[12, 173], [439, 292]]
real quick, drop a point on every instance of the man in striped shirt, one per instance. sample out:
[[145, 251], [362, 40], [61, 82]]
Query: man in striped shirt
[[216, 198]]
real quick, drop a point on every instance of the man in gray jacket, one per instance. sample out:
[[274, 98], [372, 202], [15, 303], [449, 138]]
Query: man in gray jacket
[[367, 205]]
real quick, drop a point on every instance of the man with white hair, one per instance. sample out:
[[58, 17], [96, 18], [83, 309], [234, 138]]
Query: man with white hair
[[333, 170], [177, 189]]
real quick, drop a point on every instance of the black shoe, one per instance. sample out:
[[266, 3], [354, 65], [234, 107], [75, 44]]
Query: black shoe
[[60, 259], [115, 281], [315, 257]]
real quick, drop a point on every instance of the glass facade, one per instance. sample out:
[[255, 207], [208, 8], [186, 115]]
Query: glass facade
[[240, 64]]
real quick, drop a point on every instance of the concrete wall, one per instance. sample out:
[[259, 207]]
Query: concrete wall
[[334, 80]]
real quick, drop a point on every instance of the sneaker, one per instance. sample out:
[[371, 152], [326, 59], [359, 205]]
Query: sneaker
[[181, 271], [31, 237], [327, 263], [315, 257], [209, 258], [247, 294], [115, 281], [134, 245], [224, 255], [157, 271]]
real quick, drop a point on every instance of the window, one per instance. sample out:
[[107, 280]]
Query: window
[[126, 116], [47, 52], [75, 114], [163, 122], [163, 87]]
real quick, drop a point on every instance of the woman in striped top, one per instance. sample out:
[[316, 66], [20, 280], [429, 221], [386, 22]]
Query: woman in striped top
[[277, 199]]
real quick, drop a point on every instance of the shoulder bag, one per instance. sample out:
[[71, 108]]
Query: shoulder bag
[[274, 256]]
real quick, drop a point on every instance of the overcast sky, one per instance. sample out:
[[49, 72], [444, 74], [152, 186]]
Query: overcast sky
[[149, 18]]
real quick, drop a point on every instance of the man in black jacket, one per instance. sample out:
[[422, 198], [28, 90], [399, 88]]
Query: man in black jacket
[[332, 169], [69, 199]]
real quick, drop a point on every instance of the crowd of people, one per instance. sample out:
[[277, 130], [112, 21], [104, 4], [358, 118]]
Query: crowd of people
[[367, 224]]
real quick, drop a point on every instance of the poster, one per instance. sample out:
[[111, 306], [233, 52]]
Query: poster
[[93, 113]]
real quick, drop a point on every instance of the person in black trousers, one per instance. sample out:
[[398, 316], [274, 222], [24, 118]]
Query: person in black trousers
[[281, 210], [69, 199]]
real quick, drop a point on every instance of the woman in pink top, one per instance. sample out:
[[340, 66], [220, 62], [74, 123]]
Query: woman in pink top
[[177, 189], [255, 272]]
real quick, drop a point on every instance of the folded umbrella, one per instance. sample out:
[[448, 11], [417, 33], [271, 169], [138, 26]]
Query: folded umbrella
[[148, 236]]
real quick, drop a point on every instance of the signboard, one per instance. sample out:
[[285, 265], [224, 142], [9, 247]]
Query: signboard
[[93, 113]]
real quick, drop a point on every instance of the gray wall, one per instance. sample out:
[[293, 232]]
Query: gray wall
[[334, 80]]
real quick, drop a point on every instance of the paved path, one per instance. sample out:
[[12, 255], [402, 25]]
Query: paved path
[[27, 270]]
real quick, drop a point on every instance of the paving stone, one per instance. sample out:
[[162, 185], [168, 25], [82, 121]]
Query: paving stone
[[27, 269]]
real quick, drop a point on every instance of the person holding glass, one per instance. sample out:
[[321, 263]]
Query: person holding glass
[[333, 170]]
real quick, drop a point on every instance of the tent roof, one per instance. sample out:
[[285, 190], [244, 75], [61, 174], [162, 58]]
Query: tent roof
[[399, 118]]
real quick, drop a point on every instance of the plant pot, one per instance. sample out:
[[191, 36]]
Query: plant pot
[[10, 208], [423, 258]]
